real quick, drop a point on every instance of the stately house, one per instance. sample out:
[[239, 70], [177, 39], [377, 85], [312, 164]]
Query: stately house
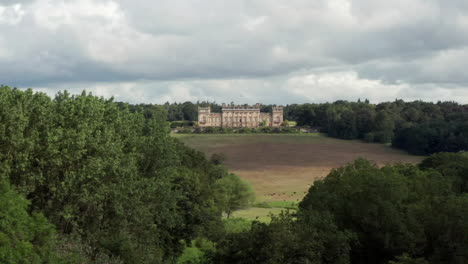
[[240, 116]]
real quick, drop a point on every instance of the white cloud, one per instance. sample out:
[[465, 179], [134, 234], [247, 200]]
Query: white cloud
[[249, 51], [11, 15], [253, 23], [53, 14], [325, 86]]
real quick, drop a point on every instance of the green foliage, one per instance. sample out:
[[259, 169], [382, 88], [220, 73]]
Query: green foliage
[[243, 130], [451, 165], [369, 137], [191, 255], [198, 252], [24, 238], [190, 111], [361, 213], [218, 158], [313, 238], [120, 189], [107, 173], [394, 210], [447, 230], [176, 124], [418, 127], [405, 259], [370, 202], [278, 204], [201, 250], [234, 193], [180, 111], [236, 225]]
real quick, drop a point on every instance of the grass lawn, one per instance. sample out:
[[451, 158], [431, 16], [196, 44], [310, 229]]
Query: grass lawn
[[282, 167], [256, 213]]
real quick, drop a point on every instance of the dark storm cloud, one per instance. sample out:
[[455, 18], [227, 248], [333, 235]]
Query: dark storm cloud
[[192, 49]]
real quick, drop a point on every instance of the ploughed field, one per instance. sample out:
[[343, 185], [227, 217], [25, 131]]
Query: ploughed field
[[282, 167]]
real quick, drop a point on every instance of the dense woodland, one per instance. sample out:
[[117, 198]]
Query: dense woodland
[[109, 178], [418, 127], [86, 180], [421, 128]]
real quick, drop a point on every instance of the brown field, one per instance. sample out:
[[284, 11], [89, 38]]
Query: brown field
[[282, 167]]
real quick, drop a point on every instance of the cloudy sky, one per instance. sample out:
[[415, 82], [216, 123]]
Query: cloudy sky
[[269, 51]]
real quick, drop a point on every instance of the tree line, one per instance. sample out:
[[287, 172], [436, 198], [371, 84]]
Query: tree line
[[421, 128]]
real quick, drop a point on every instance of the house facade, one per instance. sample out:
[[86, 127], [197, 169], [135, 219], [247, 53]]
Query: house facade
[[240, 116]]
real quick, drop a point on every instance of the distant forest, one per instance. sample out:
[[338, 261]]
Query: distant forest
[[421, 128]]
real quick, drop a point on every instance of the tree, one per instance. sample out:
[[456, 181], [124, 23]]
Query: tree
[[344, 126], [24, 238], [218, 158], [381, 206], [453, 166], [312, 238], [190, 111], [446, 227], [234, 193], [384, 127], [107, 174]]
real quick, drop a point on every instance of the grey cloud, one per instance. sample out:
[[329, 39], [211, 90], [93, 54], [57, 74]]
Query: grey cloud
[[192, 46], [12, 2]]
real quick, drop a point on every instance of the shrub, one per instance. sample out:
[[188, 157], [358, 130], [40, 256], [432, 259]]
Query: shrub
[[236, 225], [176, 124], [369, 137], [209, 130], [218, 158]]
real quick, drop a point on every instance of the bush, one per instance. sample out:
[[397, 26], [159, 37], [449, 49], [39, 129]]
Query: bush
[[185, 130], [197, 251], [208, 130], [218, 158], [242, 130], [236, 225], [176, 124], [369, 137], [405, 259], [288, 130], [383, 136]]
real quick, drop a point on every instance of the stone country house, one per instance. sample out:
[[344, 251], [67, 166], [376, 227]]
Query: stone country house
[[240, 116]]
